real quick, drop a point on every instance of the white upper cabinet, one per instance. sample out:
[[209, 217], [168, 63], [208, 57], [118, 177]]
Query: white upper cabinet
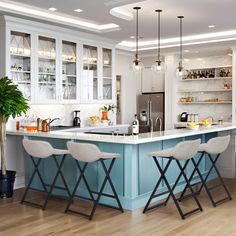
[[51, 66], [46, 70], [152, 81], [20, 62], [69, 83]]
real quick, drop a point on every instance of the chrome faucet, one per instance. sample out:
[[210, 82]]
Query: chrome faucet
[[160, 121], [150, 123], [212, 119]]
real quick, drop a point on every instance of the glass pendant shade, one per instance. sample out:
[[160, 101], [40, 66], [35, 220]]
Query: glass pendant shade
[[159, 66], [137, 65], [181, 73]]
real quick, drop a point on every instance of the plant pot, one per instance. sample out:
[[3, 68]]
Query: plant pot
[[104, 115], [7, 184]]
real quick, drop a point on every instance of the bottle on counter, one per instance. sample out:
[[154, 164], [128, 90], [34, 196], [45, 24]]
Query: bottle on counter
[[135, 125]]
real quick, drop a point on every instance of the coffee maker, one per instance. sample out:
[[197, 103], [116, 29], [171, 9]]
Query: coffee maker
[[77, 121]]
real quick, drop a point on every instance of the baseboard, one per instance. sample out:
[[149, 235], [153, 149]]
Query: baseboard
[[227, 172], [19, 182]]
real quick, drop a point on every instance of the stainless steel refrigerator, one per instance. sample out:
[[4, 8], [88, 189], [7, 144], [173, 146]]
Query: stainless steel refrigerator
[[150, 111]]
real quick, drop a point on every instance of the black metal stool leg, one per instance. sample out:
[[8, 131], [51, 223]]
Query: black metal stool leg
[[222, 184], [203, 182], [100, 193], [36, 166], [74, 192], [153, 194], [190, 187], [171, 191], [111, 184], [66, 188], [183, 196]]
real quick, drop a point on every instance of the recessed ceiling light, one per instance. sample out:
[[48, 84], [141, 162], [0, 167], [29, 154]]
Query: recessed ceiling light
[[52, 9], [78, 10], [211, 26], [230, 54], [186, 50], [186, 59]]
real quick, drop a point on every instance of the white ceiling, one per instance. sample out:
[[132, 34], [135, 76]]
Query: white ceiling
[[198, 15]]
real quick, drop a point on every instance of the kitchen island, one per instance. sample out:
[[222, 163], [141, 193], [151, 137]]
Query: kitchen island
[[134, 174]]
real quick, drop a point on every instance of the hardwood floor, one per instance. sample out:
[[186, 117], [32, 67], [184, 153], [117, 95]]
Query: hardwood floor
[[18, 220]]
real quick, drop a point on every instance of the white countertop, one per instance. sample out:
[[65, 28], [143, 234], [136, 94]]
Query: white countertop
[[133, 139]]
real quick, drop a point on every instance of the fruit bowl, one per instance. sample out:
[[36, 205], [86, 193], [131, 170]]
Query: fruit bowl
[[195, 127]]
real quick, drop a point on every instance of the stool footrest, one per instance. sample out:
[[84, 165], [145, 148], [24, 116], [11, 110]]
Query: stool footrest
[[112, 207], [214, 187], [78, 213], [36, 189], [222, 201], [104, 194], [32, 203], [191, 212], [155, 206], [187, 196], [160, 194], [56, 186]]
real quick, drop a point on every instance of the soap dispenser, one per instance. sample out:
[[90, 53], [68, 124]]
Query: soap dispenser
[[77, 121]]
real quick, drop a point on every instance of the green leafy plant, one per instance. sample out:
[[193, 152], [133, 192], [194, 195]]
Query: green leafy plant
[[12, 103], [108, 107]]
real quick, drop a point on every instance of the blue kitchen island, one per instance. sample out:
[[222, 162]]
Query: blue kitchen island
[[134, 174]]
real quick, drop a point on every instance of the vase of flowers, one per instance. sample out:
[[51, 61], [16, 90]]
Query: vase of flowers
[[105, 109]]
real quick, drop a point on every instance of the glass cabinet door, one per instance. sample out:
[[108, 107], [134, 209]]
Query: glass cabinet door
[[20, 62], [90, 73], [69, 70], [47, 68], [107, 74]]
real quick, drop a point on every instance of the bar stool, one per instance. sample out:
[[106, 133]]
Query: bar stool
[[89, 153], [214, 147], [39, 150], [182, 151]]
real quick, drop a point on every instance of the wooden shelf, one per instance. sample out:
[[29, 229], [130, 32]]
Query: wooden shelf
[[189, 103], [68, 61], [21, 82], [205, 91], [207, 68], [206, 79]]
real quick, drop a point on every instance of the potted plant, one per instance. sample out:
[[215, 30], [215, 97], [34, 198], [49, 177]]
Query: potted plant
[[12, 103], [105, 109]]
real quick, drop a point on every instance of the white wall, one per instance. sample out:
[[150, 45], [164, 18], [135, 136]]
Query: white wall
[[65, 113], [130, 86]]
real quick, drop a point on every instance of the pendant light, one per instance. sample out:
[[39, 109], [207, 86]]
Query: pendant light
[[137, 64], [159, 65], [181, 72]]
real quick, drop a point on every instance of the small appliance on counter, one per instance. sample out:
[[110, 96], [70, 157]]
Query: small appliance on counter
[[77, 121], [184, 117]]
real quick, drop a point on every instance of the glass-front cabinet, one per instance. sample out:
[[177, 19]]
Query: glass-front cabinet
[[69, 73], [47, 68], [107, 74], [90, 81], [20, 62], [50, 69]]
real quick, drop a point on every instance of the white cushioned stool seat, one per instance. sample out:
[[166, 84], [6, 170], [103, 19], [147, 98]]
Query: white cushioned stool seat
[[182, 151], [41, 149], [215, 145], [88, 152]]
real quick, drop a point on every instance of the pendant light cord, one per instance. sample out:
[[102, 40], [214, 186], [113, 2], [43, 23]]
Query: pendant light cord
[[159, 35], [137, 34], [181, 41]]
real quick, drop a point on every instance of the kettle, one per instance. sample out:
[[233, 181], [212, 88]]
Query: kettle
[[76, 121]]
